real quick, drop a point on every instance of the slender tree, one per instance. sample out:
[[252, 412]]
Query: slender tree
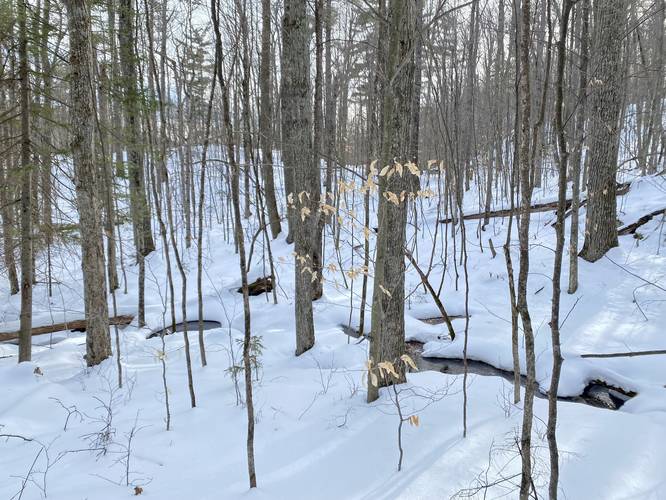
[[27, 262], [266, 119], [140, 211], [551, 430], [578, 146], [240, 239], [523, 235]]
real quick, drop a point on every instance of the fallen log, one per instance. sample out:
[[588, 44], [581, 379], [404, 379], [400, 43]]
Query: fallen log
[[505, 212], [622, 189], [631, 228], [261, 285], [624, 354], [77, 324]]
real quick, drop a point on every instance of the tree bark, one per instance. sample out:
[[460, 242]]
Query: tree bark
[[138, 203], [605, 106], [98, 340], [240, 239], [551, 428], [27, 263], [387, 341], [523, 235], [578, 147], [266, 118], [298, 159]]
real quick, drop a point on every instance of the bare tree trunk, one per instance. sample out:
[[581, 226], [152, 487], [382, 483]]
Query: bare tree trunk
[[578, 147], [375, 120], [202, 189], [551, 429], [98, 340], [25, 342], [658, 88], [523, 234], [318, 283], [46, 181], [387, 341], [299, 159], [265, 119], [8, 226], [240, 239], [605, 106], [107, 192], [140, 211]]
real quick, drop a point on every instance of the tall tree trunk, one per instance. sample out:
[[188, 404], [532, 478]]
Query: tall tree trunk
[[139, 206], [374, 127], [46, 181], [578, 147], [551, 429], [98, 340], [27, 263], [265, 119], [8, 226], [523, 235], [318, 283], [298, 159], [387, 341], [605, 106], [240, 239]]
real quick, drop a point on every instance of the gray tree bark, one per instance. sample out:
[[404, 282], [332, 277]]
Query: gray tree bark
[[299, 160], [266, 118], [551, 429], [605, 105], [8, 225], [523, 236], [387, 340], [139, 205], [98, 340], [27, 263], [581, 113], [240, 239]]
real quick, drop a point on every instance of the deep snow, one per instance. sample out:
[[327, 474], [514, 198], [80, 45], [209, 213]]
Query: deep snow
[[316, 437]]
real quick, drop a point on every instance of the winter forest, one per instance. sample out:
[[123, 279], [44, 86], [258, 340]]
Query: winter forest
[[332, 249]]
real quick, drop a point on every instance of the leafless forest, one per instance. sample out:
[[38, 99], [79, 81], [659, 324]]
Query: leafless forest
[[339, 163]]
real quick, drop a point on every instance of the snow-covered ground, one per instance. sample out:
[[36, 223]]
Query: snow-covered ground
[[316, 438]]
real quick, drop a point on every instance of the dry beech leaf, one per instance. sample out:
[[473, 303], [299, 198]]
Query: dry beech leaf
[[409, 361], [413, 168], [385, 171], [305, 211]]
